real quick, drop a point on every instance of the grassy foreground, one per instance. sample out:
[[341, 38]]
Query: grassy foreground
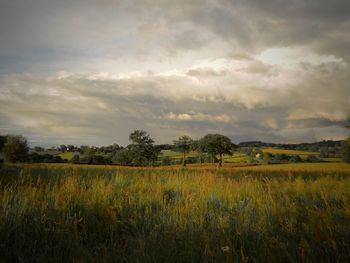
[[77, 213]]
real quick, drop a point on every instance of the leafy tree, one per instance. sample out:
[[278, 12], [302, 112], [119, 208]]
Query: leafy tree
[[70, 148], [198, 147], [141, 149], [346, 150], [216, 144], [295, 159], [88, 155], [39, 149], [2, 143], [324, 152], [99, 159], [110, 149], [45, 158], [63, 148], [76, 158], [166, 160], [123, 157], [183, 144], [140, 137], [267, 157], [16, 148], [83, 148], [312, 159]]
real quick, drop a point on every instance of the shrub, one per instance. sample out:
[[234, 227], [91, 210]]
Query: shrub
[[295, 159], [313, 159], [166, 160]]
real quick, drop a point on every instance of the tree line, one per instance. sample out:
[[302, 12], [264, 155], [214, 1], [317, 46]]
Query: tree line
[[142, 151]]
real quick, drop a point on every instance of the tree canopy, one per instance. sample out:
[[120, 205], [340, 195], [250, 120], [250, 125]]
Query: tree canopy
[[141, 150], [140, 137], [15, 148], [183, 144], [2, 141], [216, 144], [346, 148]]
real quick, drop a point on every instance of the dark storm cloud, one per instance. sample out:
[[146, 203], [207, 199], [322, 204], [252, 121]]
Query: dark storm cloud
[[66, 34]]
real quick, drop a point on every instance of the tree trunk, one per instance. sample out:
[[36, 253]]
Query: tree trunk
[[183, 160], [220, 161]]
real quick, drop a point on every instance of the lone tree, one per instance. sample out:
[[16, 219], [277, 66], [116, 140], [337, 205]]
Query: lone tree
[[141, 149], [15, 148], [216, 144], [2, 141], [346, 149], [140, 137], [183, 144]]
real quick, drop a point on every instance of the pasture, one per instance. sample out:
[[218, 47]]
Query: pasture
[[288, 152], [267, 213], [67, 155]]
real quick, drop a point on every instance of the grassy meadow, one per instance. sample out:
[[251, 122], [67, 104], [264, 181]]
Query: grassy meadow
[[266, 213]]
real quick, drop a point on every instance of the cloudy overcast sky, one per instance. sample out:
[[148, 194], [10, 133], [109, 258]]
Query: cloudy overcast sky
[[92, 71]]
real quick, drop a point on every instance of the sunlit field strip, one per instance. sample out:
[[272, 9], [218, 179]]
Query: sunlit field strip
[[288, 152]]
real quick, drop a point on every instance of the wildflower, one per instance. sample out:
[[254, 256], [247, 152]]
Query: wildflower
[[225, 248]]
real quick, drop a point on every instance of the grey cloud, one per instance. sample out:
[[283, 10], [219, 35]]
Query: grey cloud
[[187, 40], [257, 67], [256, 100], [47, 36], [205, 73], [315, 122], [256, 24], [296, 9], [101, 111], [239, 56]]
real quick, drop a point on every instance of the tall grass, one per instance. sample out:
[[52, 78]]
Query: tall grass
[[55, 213]]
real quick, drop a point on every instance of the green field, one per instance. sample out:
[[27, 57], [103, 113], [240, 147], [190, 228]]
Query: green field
[[266, 213], [67, 155], [288, 152], [236, 158], [176, 155], [243, 158]]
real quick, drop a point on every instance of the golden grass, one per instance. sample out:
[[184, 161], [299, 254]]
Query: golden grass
[[279, 213], [307, 167]]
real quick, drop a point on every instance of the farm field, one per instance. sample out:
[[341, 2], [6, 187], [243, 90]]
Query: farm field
[[288, 152], [265, 213], [176, 155], [67, 155], [243, 158], [235, 158]]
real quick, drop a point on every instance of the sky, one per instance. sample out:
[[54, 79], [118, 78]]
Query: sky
[[89, 72]]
